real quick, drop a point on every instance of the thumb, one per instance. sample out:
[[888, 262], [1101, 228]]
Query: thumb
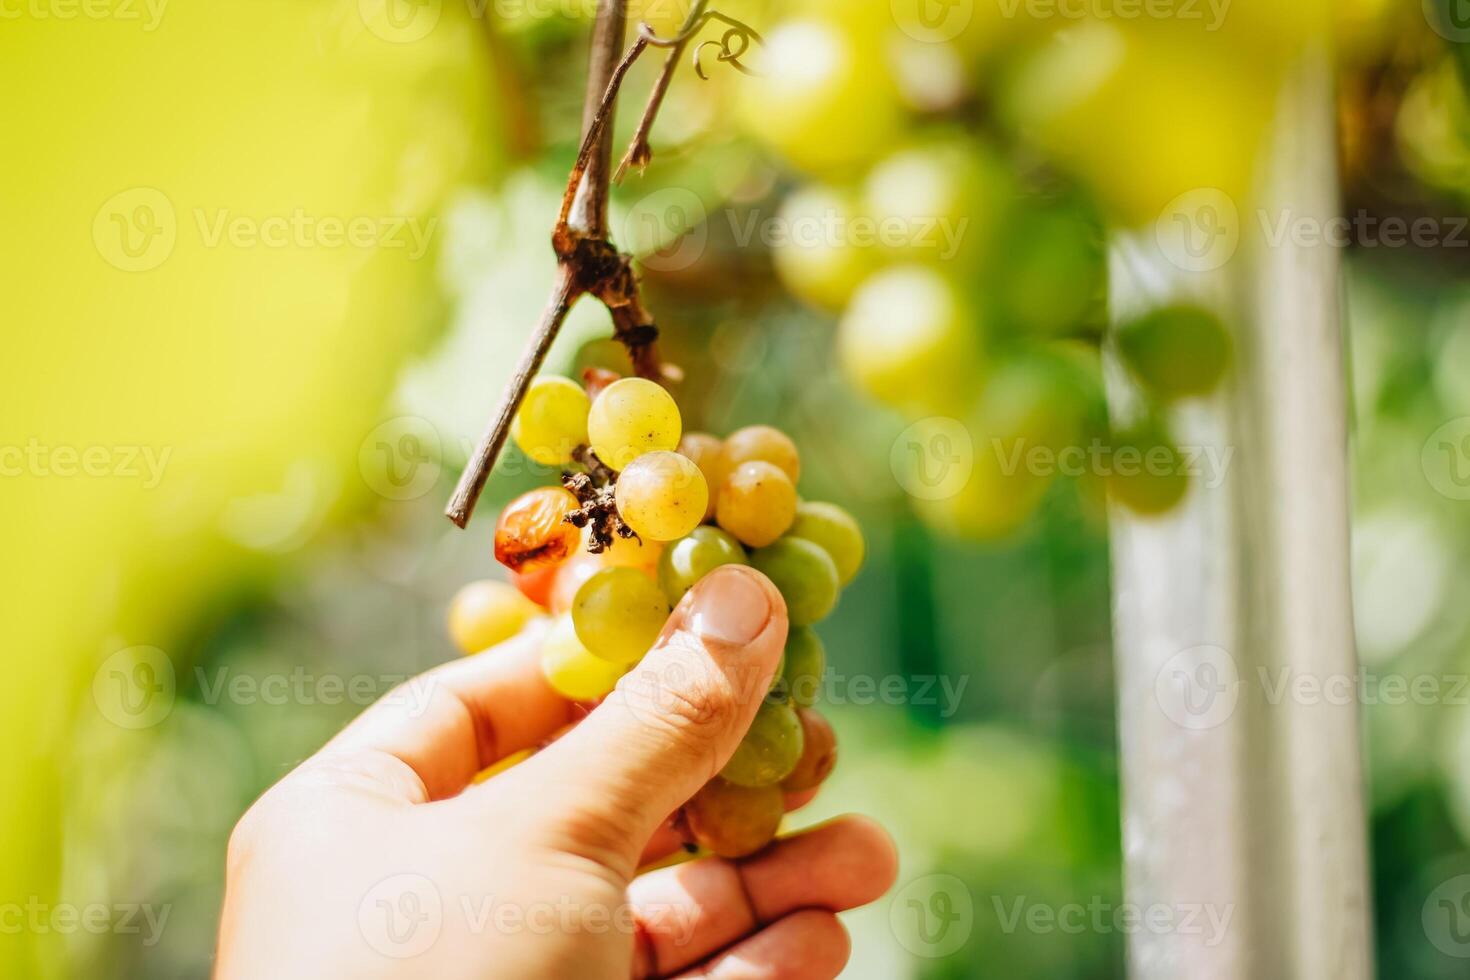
[[673, 721]]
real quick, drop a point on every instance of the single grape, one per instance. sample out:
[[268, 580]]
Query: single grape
[[804, 665], [1176, 351], [537, 583], [618, 614], [570, 669], [907, 340], [704, 449], [662, 495], [940, 203], [552, 420], [734, 821], [761, 443], [488, 612], [822, 95], [820, 260], [636, 552], [692, 557], [804, 573], [769, 750], [757, 503], [1146, 472], [532, 531], [570, 575], [818, 753], [632, 416], [836, 531]]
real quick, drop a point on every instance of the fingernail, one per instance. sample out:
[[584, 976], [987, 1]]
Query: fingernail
[[729, 606]]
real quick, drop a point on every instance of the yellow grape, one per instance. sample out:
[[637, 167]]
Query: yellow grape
[[822, 95], [618, 614], [734, 821], [757, 503], [836, 531], [630, 417], [570, 669], [906, 340], [761, 442], [488, 612], [552, 420], [821, 260], [705, 450], [662, 496], [937, 203]]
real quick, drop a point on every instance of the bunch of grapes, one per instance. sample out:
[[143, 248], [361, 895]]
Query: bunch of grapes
[[645, 511], [965, 264]]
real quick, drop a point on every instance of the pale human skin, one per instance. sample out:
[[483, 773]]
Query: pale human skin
[[379, 857]]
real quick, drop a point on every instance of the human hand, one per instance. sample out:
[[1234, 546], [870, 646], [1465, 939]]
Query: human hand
[[380, 857]]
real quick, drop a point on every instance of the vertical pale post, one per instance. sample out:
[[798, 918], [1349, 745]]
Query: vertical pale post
[[1242, 797]]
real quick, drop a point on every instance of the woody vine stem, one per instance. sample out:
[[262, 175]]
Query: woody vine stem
[[587, 261]]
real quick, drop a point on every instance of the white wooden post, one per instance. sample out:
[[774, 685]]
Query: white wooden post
[[1240, 798]]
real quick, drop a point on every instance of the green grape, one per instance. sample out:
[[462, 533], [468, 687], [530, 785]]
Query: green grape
[[820, 261], [940, 203], [630, 417], [691, 558], [1176, 351], [757, 503], [619, 613], [552, 420], [734, 821], [1050, 273], [769, 750], [818, 753], [705, 449], [1146, 472], [570, 669], [662, 495], [907, 341], [822, 95], [805, 575], [803, 666], [761, 443], [836, 531], [485, 613]]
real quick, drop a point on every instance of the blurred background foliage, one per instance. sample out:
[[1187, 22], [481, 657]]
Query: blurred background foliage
[[314, 401]]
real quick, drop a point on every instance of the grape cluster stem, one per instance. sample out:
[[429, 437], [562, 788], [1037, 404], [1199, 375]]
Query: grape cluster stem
[[587, 261]]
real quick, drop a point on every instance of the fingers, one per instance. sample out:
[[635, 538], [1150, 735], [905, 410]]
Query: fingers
[[672, 723], [457, 719], [690, 911], [806, 945]]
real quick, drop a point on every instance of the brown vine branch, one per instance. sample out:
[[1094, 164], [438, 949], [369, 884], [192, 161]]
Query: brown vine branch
[[640, 151], [587, 262]]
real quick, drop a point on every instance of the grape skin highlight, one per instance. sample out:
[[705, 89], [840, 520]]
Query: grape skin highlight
[[662, 496]]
